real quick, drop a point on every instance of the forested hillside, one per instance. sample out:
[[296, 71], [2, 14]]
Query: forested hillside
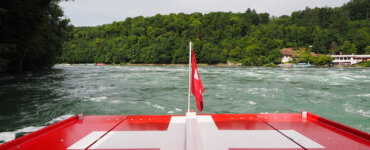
[[32, 33], [250, 37]]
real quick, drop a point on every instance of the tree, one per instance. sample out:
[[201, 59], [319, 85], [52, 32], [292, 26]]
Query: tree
[[348, 48], [32, 34], [367, 50], [361, 39], [196, 27], [305, 57], [333, 47], [250, 38], [252, 55], [236, 53]]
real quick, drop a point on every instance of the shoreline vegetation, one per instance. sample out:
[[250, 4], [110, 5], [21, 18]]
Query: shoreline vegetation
[[130, 64], [219, 64], [36, 34], [249, 38]]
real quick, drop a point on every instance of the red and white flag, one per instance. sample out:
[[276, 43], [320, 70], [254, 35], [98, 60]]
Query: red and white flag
[[196, 83]]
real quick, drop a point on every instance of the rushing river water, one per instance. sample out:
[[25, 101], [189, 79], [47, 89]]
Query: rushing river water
[[33, 100]]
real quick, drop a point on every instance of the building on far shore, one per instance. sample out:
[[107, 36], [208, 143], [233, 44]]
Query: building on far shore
[[349, 59], [287, 55]]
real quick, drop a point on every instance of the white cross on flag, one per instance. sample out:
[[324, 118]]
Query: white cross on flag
[[196, 84]]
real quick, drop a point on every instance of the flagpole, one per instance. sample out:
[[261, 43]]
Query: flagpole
[[190, 46]]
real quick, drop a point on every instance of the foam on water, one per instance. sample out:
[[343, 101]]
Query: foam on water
[[349, 108], [98, 99], [175, 110], [158, 106], [252, 102], [114, 101], [57, 119], [322, 93], [155, 105], [8, 136], [363, 95]]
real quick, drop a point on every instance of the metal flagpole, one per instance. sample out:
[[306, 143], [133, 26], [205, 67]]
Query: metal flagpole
[[190, 46]]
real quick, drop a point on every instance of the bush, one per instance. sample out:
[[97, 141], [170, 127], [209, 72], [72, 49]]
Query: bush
[[365, 64]]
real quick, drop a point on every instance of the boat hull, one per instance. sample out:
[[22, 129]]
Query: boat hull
[[208, 132]]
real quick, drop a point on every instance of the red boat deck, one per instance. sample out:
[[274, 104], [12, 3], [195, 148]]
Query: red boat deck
[[204, 132]]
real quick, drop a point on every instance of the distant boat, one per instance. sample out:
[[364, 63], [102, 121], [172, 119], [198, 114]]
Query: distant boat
[[302, 65], [91, 64], [82, 64], [101, 64]]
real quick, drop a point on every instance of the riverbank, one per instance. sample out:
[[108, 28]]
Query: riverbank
[[219, 64], [130, 64]]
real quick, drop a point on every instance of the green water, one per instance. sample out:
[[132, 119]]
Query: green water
[[33, 100]]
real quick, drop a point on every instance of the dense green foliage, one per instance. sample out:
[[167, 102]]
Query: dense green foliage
[[306, 57], [365, 64], [32, 34], [251, 38]]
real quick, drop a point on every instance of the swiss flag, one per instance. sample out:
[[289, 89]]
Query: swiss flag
[[196, 84]]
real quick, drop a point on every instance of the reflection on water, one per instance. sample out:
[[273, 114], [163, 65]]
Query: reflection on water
[[36, 99]]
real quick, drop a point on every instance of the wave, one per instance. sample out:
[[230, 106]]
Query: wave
[[349, 108], [115, 101], [363, 95], [252, 102], [98, 99], [155, 105], [60, 118], [262, 90], [8, 136], [174, 110]]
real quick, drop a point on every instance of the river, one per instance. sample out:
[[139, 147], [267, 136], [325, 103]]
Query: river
[[31, 101]]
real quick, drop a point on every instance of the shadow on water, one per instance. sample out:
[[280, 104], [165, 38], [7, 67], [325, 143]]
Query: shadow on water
[[23, 94]]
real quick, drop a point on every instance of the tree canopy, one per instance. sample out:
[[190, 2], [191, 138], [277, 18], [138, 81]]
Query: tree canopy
[[250, 37], [32, 34]]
